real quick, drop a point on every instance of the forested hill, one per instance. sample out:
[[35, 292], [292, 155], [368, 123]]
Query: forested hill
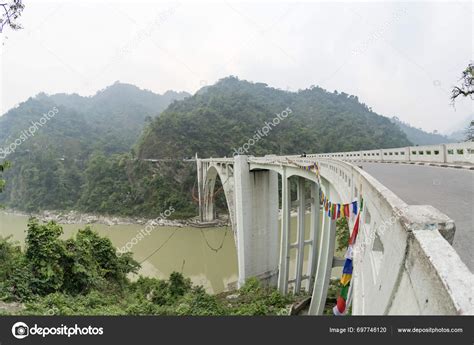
[[226, 115], [113, 118], [49, 168], [81, 159], [419, 137]]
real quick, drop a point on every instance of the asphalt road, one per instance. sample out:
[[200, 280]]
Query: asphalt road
[[449, 190]]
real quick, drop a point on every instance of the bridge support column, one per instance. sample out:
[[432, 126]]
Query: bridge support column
[[200, 178], [285, 234], [315, 236], [205, 192], [256, 204], [323, 271], [300, 235]]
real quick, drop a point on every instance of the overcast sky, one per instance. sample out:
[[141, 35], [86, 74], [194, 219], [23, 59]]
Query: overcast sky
[[401, 59]]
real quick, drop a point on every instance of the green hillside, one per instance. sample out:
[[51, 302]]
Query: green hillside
[[49, 162], [419, 137], [225, 116], [83, 158]]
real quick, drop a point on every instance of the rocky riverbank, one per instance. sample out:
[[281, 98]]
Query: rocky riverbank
[[75, 217]]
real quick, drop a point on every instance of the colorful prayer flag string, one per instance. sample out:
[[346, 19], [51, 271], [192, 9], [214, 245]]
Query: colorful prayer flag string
[[341, 303], [333, 210], [314, 167], [338, 210]]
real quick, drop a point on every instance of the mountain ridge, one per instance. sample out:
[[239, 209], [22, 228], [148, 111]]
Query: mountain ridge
[[322, 122]]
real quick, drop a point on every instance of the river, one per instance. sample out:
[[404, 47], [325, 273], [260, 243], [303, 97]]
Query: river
[[207, 256], [186, 250]]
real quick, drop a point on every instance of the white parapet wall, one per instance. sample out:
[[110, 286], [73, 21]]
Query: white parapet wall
[[403, 260], [458, 153]]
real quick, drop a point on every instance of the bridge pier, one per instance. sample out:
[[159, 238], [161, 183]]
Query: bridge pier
[[285, 233], [324, 265], [256, 205], [314, 236], [300, 233], [200, 178]]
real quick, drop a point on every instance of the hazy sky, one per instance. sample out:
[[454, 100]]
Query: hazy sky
[[399, 58]]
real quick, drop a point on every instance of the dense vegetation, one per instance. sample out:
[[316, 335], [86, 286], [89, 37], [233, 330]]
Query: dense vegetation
[[419, 137], [224, 116], [86, 145], [84, 276], [90, 155]]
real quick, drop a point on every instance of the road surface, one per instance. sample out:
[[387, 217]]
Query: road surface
[[449, 190]]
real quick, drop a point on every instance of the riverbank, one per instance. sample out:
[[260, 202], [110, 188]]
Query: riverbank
[[75, 217]]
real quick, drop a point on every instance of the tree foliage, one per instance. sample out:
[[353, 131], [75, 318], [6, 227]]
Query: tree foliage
[[466, 87], [342, 234], [84, 276], [10, 12], [51, 265], [419, 137], [470, 132], [90, 156], [83, 147], [225, 116], [3, 166]]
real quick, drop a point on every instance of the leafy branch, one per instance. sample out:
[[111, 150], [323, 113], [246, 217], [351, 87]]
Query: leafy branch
[[3, 166], [467, 84], [11, 12]]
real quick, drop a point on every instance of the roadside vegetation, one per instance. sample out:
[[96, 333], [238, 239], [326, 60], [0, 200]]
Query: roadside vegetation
[[83, 275]]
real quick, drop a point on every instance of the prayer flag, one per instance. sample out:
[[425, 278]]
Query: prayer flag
[[346, 278], [354, 207], [355, 231], [347, 267]]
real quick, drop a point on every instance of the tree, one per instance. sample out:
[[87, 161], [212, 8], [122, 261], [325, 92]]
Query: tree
[[45, 252], [470, 132], [11, 12], [3, 166], [467, 84]]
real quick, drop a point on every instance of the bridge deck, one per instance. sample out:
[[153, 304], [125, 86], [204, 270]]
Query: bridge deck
[[449, 190]]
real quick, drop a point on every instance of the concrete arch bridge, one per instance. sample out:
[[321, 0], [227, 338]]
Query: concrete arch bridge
[[403, 263]]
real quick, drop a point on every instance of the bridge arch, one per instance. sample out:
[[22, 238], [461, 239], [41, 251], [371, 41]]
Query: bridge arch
[[212, 172]]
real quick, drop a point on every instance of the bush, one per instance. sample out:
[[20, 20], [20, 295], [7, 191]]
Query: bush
[[342, 234], [84, 276], [15, 273], [197, 302], [45, 253]]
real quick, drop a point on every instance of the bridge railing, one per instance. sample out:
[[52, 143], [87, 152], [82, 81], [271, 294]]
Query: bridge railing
[[403, 263], [443, 153], [403, 260]]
